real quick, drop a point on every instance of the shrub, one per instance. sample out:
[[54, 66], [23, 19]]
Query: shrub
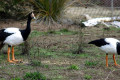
[[48, 10], [12, 9]]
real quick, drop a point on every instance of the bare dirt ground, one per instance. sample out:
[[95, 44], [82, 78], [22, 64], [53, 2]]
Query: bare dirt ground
[[55, 51], [56, 57]]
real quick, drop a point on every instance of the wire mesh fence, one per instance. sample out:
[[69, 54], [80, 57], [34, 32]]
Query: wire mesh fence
[[51, 51], [94, 8]]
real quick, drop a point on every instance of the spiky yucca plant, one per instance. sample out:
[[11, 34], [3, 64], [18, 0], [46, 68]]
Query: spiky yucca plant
[[48, 10]]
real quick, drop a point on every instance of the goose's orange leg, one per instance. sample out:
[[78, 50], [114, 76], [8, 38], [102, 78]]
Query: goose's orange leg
[[13, 57], [106, 60], [115, 63], [8, 52]]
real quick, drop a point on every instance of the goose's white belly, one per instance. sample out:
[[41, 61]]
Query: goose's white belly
[[14, 39], [109, 48]]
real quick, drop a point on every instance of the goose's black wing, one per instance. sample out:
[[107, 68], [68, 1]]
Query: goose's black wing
[[99, 42], [3, 36]]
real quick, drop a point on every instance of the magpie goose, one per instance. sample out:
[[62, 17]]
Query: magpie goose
[[108, 45], [14, 36]]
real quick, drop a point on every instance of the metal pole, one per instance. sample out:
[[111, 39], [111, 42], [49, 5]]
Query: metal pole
[[112, 8]]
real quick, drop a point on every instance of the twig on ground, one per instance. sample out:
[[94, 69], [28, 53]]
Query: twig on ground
[[110, 73]]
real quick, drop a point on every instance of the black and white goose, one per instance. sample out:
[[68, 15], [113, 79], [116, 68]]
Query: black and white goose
[[108, 45], [14, 36]]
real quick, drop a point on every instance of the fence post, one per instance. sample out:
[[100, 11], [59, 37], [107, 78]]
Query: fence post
[[112, 8]]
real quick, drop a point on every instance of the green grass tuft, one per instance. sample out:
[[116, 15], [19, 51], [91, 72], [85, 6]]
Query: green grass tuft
[[36, 63], [34, 76], [64, 30], [51, 32], [73, 67], [36, 33], [90, 63], [88, 77], [16, 78]]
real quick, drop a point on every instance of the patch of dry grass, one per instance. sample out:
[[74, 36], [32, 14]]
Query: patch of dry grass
[[52, 56]]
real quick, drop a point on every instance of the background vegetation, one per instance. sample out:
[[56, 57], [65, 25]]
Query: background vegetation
[[46, 10], [50, 54]]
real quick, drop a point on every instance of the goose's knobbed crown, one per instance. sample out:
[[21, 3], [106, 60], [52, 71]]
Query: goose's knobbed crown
[[31, 16]]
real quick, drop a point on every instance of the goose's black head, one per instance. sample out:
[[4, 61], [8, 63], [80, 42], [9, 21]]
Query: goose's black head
[[31, 16]]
